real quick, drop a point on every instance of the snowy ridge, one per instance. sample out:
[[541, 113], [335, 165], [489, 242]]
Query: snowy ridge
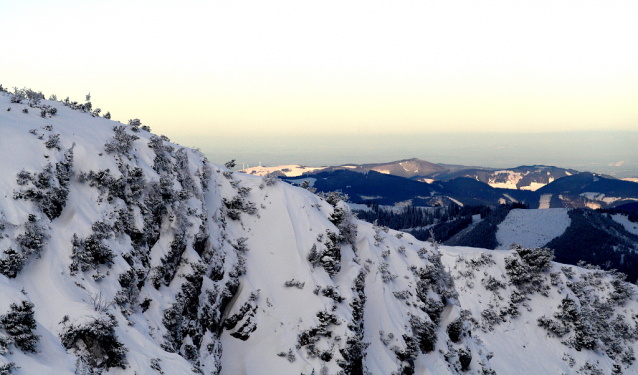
[[141, 257]]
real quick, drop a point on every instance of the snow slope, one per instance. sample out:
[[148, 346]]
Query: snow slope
[[628, 225], [195, 269], [532, 228]]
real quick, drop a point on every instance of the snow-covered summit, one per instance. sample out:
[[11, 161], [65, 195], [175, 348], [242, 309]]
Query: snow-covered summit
[[124, 253]]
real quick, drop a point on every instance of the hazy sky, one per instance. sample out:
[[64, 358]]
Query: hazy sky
[[192, 68]]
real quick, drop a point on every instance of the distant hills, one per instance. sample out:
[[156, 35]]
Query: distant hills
[[421, 183], [576, 191], [522, 178]]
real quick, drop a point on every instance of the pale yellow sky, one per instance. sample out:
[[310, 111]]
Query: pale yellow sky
[[300, 67]]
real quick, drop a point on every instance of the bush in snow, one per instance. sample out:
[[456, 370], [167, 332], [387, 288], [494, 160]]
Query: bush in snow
[[424, 332], [18, 95], [538, 259], [331, 256], [155, 365], [314, 256], [230, 164], [386, 275], [90, 253], [306, 185], [95, 343], [269, 180], [32, 241], [7, 368], [165, 272], [19, 324], [237, 205], [492, 284], [465, 358], [526, 270], [296, 283], [12, 262], [455, 330], [122, 141]]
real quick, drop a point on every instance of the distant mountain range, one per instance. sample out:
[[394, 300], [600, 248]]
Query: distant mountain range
[[521, 178], [573, 191], [421, 183]]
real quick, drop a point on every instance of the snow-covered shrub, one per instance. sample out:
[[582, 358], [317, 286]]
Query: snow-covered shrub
[[47, 193], [246, 314], [90, 253], [19, 324], [484, 260], [129, 281], [306, 185], [490, 318], [230, 164], [165, 272], [492, 284], [53, 141], [406, 356], [122, 141], [586, 321], [455, 330], [182, 319], [18, 95], [402, 294], [107, 115], [269, 179], [434, 277], [434, 309], [155, 365], [237, 205], [240, 245], [354, 351], [12, 262], [526, 269], [465, 358], [184, 176], [386, 275], [95, 343], [622, 289], [32, 241], [332, 293], [100, 302], [314, 255], [590, 369], [539, 259], [296, 283], [556, 327], [331, 256], [7, 368]]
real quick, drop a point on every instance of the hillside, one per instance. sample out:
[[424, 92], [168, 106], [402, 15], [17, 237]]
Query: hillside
[[124, 253]]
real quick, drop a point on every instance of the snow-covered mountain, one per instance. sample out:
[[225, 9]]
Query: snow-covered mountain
[[124, 253], [522, 178]]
